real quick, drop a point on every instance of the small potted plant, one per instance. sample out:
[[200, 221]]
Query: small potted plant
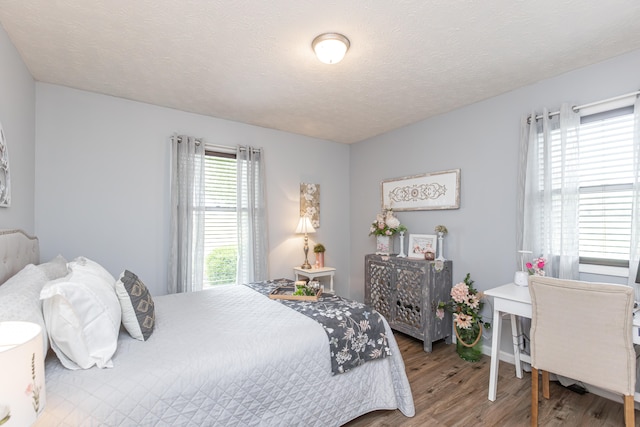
[[319, 250]]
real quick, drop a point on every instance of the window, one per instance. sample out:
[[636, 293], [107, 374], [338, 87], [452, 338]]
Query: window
[[603, 164], [221, 230]]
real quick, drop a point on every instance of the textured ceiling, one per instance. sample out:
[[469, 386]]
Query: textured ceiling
[[251, 61]]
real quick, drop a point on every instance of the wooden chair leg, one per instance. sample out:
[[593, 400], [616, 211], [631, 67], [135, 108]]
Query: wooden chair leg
[[534, 397], [629, 411], [545, 384]]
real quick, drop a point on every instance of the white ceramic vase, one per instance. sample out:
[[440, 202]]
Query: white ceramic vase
[[382, 245], [521, 278]]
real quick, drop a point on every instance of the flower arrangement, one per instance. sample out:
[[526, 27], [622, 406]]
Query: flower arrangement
[[465, 304], [441, 229], [536, 267], [386, 224]]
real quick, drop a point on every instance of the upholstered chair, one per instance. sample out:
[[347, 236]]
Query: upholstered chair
[[583, 331]]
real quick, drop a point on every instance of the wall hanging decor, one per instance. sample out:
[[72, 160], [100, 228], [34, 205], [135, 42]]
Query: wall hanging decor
[[5, 180], [310, 203], [436, 190]]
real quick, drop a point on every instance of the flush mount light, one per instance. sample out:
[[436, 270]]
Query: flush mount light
[[330, 47]]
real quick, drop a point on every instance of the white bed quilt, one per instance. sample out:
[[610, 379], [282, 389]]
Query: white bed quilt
[[226, 356]]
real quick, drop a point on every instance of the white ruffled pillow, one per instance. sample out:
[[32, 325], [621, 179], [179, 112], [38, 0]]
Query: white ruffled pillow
[[55, 269], [82, 315], [20, 299]]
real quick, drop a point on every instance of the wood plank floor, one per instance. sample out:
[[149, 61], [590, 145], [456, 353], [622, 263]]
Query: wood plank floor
[[447, 391]]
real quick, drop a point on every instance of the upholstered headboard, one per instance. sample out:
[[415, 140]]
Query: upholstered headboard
[[17, 249]]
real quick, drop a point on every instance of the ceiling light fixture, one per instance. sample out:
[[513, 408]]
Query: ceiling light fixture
[[330, 47]]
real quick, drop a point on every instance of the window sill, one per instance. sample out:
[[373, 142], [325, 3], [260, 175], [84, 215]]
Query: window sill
[[604, 270]]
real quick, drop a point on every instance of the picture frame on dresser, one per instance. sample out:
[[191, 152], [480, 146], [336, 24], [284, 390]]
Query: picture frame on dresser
[[421, 243]]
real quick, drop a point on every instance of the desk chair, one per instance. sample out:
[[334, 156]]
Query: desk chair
[[582, 330]]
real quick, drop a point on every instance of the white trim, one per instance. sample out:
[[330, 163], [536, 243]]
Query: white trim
[[605, 270]]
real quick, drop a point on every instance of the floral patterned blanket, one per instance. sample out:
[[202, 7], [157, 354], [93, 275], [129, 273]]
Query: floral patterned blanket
[[356, 332]]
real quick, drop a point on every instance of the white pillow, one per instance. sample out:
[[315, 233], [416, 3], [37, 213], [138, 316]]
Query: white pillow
[[84, 266], [55, 269], [20, 299], [82, 316]]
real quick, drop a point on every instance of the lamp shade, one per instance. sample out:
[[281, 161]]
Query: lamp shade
[[22, 392], [330, 48], [305, 226]]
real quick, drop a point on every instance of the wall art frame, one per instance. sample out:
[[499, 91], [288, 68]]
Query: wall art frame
[[429, 191], [420, 243], [310, 202], [5, 178]]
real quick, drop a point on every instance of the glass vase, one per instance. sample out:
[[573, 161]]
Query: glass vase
[[469, 343]]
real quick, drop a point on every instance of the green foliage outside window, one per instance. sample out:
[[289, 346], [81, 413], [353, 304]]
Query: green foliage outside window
[[221, 265]]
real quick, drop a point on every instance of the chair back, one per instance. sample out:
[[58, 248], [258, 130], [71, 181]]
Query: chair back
[[583, 330]]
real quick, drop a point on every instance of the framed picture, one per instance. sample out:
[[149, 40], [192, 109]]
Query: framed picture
[[310, 202], [436, 190], [5, 180], [421, 243]]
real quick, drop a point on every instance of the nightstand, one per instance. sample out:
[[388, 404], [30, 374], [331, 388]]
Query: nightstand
[[312, 273]]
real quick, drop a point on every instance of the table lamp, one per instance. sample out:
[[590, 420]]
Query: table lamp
[[22, 393], [305, 226]]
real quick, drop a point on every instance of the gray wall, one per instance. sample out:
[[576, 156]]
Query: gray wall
[[102, 183], [482, 140], [17, 116]]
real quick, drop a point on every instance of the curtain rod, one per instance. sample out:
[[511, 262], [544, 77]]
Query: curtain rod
[[592, 104], [179, 138], [223, 148], [253, 149]]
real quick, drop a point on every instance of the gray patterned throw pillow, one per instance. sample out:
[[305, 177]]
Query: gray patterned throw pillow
[[138, 315]]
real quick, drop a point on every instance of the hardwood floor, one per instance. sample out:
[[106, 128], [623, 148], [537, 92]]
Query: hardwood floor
[[447, 391]]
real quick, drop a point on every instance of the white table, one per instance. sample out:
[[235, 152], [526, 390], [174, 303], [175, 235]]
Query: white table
[[312, 273], [515, 301]]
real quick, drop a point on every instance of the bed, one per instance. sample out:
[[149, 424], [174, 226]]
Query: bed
[[224, 356]]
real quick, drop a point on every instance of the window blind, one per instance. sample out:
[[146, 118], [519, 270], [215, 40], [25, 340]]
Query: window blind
[[606, 197], [603, 162], [221, 231]]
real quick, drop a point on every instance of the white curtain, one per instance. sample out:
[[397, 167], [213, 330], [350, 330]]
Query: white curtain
[[634, 256], [187, 215], [548, 194], [253, 246]]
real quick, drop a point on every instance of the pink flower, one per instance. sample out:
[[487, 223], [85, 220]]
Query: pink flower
[[529, 265], [388, 232], [440, 313], [462, 320], [541, 264], [473, 301], [460, 292]]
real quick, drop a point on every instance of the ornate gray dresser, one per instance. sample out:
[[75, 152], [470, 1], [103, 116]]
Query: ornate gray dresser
[[406, 292]]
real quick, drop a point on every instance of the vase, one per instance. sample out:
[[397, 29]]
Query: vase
[[402, 254], [320, 259], [382, 245], [521, 278], [440, 246], [469, 342]]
